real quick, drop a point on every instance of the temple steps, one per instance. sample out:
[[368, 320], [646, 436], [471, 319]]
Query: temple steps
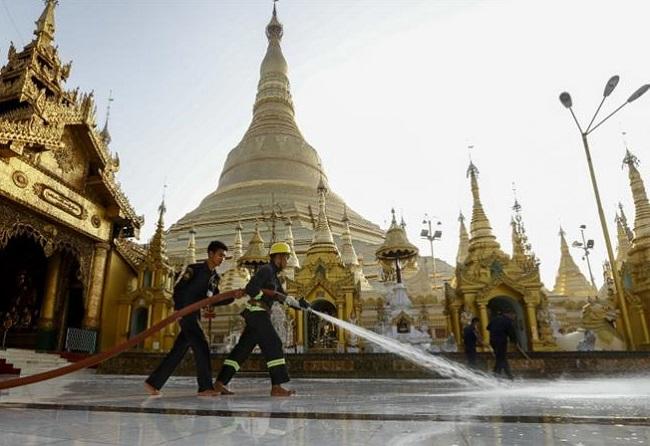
[[29, 362]]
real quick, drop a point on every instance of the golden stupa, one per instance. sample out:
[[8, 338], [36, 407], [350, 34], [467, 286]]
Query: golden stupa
[[270, 175]]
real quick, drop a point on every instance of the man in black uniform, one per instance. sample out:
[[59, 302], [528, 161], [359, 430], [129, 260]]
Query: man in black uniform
[[470, 338], [259, 330], [501, 329], [199, 280]]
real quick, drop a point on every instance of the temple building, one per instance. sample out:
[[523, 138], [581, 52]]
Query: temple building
[[489, 281], [61, 207]]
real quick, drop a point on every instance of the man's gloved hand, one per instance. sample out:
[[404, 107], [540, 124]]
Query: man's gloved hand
[[303, 303]]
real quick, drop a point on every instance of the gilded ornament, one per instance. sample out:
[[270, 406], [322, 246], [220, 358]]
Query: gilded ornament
[[20, 179], [95, 221], [64, 158]]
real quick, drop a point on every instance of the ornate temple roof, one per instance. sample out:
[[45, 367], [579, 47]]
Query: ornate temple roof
[[272, 160], [256, 253], [36, 112], [569, 280], [396, 245]]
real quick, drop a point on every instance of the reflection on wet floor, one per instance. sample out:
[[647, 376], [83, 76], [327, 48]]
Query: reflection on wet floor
[[113, 410]]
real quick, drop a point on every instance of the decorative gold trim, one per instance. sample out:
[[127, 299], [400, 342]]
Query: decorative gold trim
[[59, 200], [20, 179]]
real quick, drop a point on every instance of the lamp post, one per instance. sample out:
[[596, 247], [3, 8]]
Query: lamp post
[[565, 99], [429, 234], [586, 246]]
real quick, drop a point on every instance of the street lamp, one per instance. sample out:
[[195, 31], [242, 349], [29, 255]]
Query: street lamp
[[429, 234], [565, 99], [586, 246]]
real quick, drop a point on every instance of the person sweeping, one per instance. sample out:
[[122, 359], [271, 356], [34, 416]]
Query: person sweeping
[[259, 330]]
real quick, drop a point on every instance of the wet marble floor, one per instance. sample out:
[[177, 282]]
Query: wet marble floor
[[113, 410]]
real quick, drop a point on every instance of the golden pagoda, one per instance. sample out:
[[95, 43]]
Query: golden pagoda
[[150, 300], [489, 281], [61, 208], [571, 290], [272, 160], [327, 283]]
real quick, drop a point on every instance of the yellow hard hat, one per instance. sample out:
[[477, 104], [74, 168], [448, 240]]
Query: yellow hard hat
[[280, 248]]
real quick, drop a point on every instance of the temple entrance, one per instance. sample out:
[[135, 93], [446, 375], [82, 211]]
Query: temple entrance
[[71, 302], [139, 322], [321, 335], [503, 304], [22, 277]]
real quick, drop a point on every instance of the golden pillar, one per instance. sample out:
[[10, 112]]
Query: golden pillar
[[341, 333], [300, 329], [96, 289], [644, 325], [46, 320], [455, 323], [532, 321], [482, 307]]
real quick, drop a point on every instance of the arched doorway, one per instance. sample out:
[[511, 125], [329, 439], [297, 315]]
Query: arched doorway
[[139, 321], [70, 305], [22, 277], [504, 304], [321, 335]]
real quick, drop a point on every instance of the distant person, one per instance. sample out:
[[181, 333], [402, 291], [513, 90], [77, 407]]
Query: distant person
[[501, 329], [471, 337], [199, 280]]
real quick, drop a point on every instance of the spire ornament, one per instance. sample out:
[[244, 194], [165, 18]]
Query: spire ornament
[[463, 242], [480, 229], [641, 204]]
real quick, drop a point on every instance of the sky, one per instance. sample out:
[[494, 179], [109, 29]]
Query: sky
[[390, 94]]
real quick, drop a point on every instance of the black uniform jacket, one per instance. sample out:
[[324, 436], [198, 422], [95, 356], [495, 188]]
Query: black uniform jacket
[[266, 277], [195, 285], [501, 328]]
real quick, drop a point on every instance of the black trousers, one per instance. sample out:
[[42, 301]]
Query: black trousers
[[501, 358], [470, 354], [191, 336], [259, 331]]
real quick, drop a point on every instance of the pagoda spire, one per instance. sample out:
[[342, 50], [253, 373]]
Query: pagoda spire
[[322, 231], [293, 258], [105, 134], [624, 243], [190, 256], [256, 254], [626, 226], [238, 249], [348, 253], [45, 25], [480, 229], [157, 246], [273, 109], [569, 280], [521, 252], [463, 243], [641, 205]]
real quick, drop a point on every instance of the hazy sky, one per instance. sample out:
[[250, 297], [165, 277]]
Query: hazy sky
[[390, 93]]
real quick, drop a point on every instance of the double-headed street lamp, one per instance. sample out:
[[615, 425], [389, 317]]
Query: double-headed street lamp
[[429, 234], [565, 99], [586, 246]]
